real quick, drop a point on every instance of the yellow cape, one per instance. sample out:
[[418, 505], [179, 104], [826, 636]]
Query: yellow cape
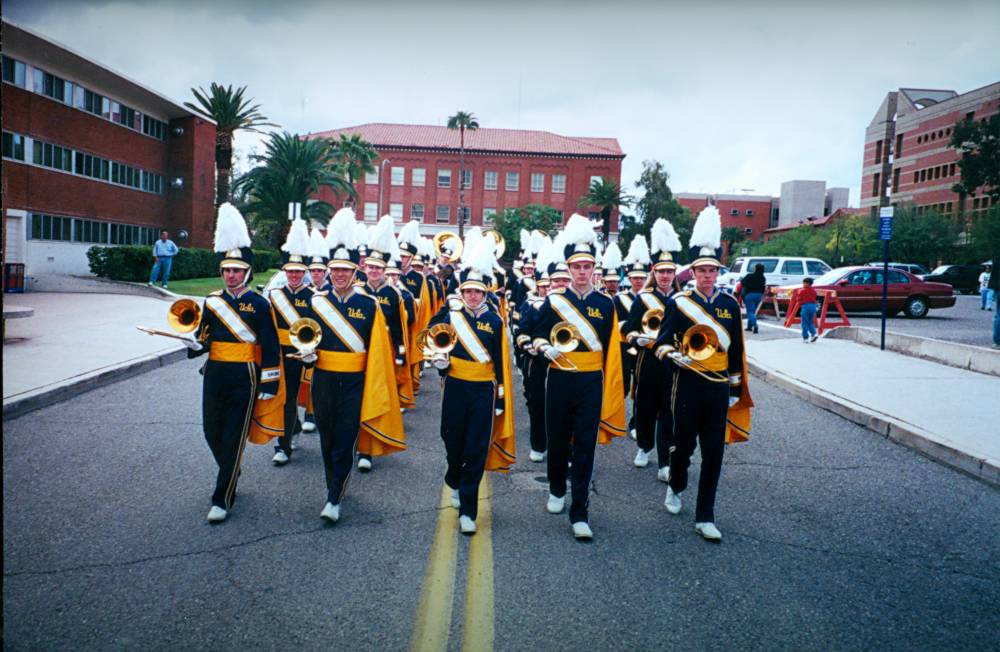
[[269, 416], [503, 447], [738, 417], [381, 421], [613, 404], [404, 380]]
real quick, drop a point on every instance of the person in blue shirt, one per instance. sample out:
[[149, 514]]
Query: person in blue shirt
[[163, 257]]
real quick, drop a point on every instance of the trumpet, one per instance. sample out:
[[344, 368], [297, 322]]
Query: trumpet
[[305, 335], [184, 316], [651, 321], [564, 337], [699, 344]]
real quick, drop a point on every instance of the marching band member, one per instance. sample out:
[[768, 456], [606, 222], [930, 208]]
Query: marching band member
[[416, 283], [611, 264], [318, 282], [700, 404], [654, 380], [637, 264], [291, 303], [242, 395], [434, 283], [357, 409], [476, 415], [584, 400]]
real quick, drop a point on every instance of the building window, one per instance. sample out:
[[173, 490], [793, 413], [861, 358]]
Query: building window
[[396, 210], [537, 182], [734, 211], [13, 144], [951, 170], [418, 177], [466, 179], [899, 145], [371, 178], [916, 176], [371, 211], [14, 72], [749, 212], [594, 215], [489, 215], [748, 231], [895, 180], [417, 212], [490, 180], [398, 176], [443, 215], [878, 151], [595, 179], [444, 178], [876, 186], [558, 183], [70, 229], [464, 213], [513, 180]]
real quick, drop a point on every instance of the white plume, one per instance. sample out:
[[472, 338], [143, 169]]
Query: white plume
[[342, 230], [662, 237], [426, 247], [545, 252], [230, 229], [559, 248], [317, 244], [526, 241], [410, 233], [598, 250], [612, 258], [579, 230], [382, 235], [297, 243], [361, 233], [472, 238], [638, 251], [707, 231], [481, 259], [539, 240]]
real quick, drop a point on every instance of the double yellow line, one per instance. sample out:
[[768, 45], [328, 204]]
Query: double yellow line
[[432, 625]]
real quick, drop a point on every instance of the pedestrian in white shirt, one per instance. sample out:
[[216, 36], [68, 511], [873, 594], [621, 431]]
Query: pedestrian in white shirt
[[985, 293], [164, 251]]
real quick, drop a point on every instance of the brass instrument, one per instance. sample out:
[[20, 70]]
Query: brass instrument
[[441, 339], [651, 321], [184, 316], [455, 245], [305, 335], [564, 337], [699, 344], [501, 244]]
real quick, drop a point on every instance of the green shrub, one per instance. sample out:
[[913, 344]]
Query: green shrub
[[133, 263]]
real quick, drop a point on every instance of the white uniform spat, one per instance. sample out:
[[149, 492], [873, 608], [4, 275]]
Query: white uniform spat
[[342, 230], [230, 230], [663, 238], [297, 243], [409, 237]]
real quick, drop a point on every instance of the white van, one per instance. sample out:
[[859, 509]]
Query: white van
[[778, 270]]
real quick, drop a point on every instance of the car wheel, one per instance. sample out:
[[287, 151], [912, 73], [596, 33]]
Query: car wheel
[[916, 307]]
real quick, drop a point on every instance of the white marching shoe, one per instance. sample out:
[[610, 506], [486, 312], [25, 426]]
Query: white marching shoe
[[535, 456], [456, 502], [217, 514], [466, 525], [331, 512], [708, 531], [555, 505], [641, 459], [632, 435], [672, 502], [364, 464], [280, 458], [308, 426], [582, 531], [663, 475]]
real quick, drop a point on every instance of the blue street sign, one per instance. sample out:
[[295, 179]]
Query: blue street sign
[[885, 223]]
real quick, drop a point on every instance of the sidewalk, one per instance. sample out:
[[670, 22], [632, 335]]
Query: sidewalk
[[949, 414], [76, 342]]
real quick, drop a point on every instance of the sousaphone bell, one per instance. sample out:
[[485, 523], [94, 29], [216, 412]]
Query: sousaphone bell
[[184, 316]]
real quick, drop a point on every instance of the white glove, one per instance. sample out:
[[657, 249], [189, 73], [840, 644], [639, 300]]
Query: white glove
[[643, 341], [192, 344], [498, 411], [442, 363], [455, 304], [551, 352], [310, 357], [500, 392], [264, 396], [733, 400]]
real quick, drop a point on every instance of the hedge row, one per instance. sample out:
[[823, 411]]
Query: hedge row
[[133, 262]]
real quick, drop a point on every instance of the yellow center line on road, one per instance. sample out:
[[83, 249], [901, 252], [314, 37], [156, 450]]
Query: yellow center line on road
[[477, 628], [432, 624]]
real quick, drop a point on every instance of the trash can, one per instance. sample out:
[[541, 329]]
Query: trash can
[[13, 278]]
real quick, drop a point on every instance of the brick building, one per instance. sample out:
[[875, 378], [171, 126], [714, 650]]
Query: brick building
[[749, 213], [418, 168], [92, 157], [907, 157]]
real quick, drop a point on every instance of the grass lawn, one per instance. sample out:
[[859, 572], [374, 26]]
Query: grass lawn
[[199, 287]]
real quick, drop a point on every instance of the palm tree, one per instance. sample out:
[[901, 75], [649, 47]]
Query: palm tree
[[231, 113], [462, 121], [607, 195], [291, 169], [356, 155]]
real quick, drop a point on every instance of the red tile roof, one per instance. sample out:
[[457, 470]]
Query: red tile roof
[[484, 138]]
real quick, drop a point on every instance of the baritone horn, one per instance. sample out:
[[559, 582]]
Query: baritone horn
[[441, 339], [305, 335], [564, 337], [700, 343], [447, 244], [501, 244], [651, 321], [184, 316]]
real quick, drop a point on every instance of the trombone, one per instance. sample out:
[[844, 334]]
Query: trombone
[[184, 316], [699, 344], [564, 337], [305, 335]]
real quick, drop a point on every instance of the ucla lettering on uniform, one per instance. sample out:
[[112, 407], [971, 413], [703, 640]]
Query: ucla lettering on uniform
[[483, 326], [355, 313], [723, 313], [246, 307], [301, 303], [594, 312]]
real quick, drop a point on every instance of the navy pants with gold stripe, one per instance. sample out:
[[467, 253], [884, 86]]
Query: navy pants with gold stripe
[[700, 408], [337, 404], [573, 414], [227, 403], [536, 370], [293, 379], [653, 415], [466, 428]]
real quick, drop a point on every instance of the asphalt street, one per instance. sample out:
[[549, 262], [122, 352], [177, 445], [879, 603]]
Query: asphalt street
[[834, 539]]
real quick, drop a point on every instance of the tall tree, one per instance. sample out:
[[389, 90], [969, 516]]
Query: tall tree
[[606, 195], [231, 112], [510, 221], [732, 235], [656, 201], [462, 120], [356, 156], [978, 143], [291, 169]]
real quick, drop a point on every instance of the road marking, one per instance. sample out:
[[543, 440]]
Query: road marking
[[477, 628], [432, 624]]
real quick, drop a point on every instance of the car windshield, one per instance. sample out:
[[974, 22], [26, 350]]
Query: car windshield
[[941, 269], [830, 277]]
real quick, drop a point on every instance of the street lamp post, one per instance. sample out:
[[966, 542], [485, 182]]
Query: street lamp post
[[381, 176]]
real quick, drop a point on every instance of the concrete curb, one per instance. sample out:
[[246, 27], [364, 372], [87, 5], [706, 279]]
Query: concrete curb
[[953, 354], [907, 434], [35, 399]]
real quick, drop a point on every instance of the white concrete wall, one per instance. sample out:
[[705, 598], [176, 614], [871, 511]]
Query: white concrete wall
[[56, 258]]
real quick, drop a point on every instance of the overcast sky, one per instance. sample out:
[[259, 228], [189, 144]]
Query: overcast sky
[[731, 97]]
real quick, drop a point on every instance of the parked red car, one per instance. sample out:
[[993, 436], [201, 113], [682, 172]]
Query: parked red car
[[860, 289]]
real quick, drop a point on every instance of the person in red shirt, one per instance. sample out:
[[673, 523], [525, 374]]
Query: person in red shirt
[[807, 297]]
